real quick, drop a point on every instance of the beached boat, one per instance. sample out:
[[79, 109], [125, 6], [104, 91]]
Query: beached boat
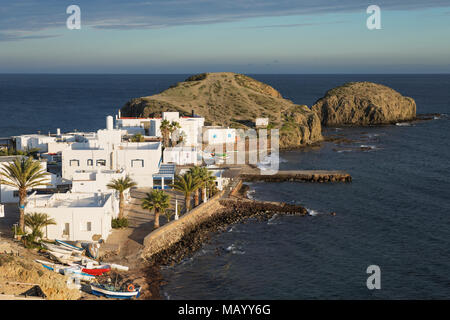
[[110, 291], [65, 270], [92, 250], [56, 248], [69, 246], [118, 267], [65, 257], [78, 273], [97, 270]]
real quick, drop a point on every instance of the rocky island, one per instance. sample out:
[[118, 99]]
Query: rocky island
[[364, 103], [234, 100]]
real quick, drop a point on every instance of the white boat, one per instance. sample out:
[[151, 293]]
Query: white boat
[[69, 246], [65, 257], [112, 292], [65, 270], [118, 267], [56, 248]]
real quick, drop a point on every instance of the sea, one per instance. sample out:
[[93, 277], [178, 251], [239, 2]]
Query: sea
[[394, 216]]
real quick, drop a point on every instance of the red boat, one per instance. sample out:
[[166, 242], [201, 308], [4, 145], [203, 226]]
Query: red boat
[[97, 270]]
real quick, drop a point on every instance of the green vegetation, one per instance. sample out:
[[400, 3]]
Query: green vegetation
[[29, 152], [36, 221], [137, 138], [119, 223], [157, 201], [187, 184], [120, 185], [23, 174]]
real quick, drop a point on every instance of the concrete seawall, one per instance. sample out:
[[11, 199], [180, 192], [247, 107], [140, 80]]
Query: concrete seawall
[[172, 232]]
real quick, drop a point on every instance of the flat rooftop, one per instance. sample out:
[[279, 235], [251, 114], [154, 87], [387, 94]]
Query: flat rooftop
[[68, 200]]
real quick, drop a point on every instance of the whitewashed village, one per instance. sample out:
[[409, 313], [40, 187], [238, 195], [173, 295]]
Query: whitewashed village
[[71, 188]]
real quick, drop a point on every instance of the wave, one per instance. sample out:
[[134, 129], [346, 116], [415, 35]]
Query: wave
[[403, 124], [251, 194], [270, 221], [233, 249], [312, 212]]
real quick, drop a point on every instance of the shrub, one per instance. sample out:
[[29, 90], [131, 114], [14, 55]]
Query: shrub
[[119, 223]]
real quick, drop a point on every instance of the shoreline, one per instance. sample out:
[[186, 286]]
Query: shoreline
[[238, 209]]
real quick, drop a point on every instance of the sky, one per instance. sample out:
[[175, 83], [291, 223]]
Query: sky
[[245, 36]]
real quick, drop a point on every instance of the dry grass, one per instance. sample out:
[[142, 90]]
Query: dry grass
[[16, 269]]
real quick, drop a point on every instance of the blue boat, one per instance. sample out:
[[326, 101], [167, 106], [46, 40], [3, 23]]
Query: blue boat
[[110, 291]]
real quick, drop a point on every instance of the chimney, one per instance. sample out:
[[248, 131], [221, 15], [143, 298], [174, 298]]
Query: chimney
[[58, 131], [109, 123], [193, 113]]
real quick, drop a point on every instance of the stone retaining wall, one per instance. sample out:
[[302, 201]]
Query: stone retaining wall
[[172, 232]]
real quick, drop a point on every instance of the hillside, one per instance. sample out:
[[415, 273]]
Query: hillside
[[364, 103], [234, 100]]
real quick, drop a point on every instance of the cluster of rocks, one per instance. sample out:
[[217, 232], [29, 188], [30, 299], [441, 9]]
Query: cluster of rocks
[[234, 211], [335, 177]]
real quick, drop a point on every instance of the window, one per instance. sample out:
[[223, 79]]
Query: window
[[137, 163], [214, 136], [90, 162], [74, 163], [66, 230], [229, 135], [87, 226], [100, 162]]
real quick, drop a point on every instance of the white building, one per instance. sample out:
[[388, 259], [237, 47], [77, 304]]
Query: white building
[[78, 216], [221, 181], [181, 155], [85, 181], [190, 127], [31, 141], [9, 194], [218, 135], [105, 150], [261, 122]]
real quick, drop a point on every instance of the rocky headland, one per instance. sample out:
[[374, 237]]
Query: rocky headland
[[234, 100], [364, 103]]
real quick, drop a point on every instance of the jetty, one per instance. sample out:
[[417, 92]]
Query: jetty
[[251, 175]]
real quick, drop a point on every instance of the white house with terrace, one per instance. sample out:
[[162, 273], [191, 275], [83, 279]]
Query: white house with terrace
[[78, 216], [106, 151], [190, 126]]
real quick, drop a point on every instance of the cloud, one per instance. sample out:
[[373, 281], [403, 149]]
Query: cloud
[[17, 37], [31, 16]]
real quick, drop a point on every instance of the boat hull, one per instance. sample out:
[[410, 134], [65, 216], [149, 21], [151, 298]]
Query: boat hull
[[115, 294], [68, 245]]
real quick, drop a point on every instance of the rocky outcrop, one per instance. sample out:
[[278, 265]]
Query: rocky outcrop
[[234, 100], [364, 103]]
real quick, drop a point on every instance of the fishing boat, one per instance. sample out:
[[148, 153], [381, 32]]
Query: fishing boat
[[65, 257], [78, 273], [65, 270], [97, 270], [69, 246], [56, 248], [111, 291]]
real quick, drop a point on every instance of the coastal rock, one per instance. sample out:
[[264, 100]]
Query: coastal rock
[[234, 100], [364, 103]]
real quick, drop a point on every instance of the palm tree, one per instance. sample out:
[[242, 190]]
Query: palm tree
[[187, 184], [165, 128], [121, 185], [157, 200], [23, 173], [207, 180], [196, 173], [36, 221], [172, 128]]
